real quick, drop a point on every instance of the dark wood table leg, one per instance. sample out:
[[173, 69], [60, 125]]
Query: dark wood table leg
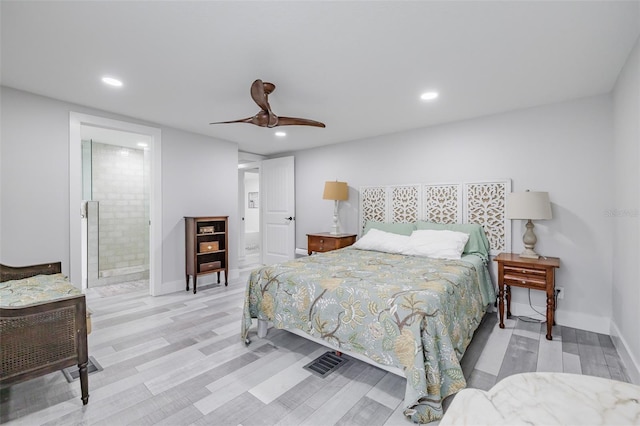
[[195, 280], [187, 282], [218, 277], [501, 304], [508, 301], [550, 314]]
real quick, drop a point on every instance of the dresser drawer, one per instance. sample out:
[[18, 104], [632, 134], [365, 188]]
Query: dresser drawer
[[210, 266], [209, 246]]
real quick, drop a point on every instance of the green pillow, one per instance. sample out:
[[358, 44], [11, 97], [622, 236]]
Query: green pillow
[[478, 242], [394, 228]]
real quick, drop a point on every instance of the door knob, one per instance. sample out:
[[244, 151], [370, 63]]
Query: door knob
[[289, 218]]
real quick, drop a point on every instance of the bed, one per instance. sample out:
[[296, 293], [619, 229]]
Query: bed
[[399, 310], [43, 324]]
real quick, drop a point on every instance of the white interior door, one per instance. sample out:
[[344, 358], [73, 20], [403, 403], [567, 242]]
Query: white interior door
[[277, 191]]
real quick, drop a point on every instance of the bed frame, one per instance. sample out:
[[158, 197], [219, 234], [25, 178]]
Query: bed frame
[[44, 337]]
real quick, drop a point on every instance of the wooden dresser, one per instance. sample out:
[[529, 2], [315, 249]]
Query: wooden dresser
[[324, 241]]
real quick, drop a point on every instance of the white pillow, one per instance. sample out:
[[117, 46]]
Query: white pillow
[[442, 244], [378, 240]]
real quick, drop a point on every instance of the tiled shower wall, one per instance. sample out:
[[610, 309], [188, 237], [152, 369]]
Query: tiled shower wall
[[121, 187]]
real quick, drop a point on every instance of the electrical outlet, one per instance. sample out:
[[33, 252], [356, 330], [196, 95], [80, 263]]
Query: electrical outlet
[[560, 292]]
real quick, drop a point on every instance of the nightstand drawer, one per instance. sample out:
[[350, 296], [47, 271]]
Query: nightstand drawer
[[320, 244], [524, 271], [525, 280], [327, 242]]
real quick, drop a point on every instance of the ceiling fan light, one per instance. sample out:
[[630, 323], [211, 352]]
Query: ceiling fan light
[[429, 96], [281, 134]]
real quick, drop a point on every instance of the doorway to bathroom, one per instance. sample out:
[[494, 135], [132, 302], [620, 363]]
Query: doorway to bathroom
[[115, 206], [79, 124], [250, 237]]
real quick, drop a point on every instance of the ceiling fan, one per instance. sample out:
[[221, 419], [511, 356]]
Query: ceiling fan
[[265, 117]]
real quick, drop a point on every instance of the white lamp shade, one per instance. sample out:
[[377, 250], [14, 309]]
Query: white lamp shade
[[528, 205], [334, 190]]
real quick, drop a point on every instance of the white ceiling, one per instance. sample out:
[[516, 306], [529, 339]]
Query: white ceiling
[[359, 67]]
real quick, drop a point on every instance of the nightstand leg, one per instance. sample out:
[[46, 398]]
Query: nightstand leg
[[501, 305], [550, 314], [508, 301], [195, 280], [187, 282]]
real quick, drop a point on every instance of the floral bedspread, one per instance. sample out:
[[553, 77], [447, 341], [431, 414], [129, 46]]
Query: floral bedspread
[[414, 313], [36, 289]]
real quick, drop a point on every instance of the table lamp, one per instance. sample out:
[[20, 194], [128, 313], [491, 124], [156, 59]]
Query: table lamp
[[336, 191], [529, 206]]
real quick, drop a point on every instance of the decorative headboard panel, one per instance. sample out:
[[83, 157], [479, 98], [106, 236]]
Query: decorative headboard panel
[[469, 202]]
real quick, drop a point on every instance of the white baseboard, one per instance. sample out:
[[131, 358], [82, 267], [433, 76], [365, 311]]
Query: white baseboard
[[630, 362], [568, 319], [171, 287], [234, 273], [302, 252]]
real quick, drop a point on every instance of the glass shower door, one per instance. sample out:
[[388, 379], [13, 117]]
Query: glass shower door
[[116, 193]]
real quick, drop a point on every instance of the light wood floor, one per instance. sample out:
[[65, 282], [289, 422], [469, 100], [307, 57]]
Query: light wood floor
[[179, 360]]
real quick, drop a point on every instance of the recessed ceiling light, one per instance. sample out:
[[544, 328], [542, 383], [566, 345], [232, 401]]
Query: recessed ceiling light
[[429, 96], [281, 134], [111, 81]]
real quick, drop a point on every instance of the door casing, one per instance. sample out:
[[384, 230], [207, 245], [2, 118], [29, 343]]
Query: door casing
[[76, 121]]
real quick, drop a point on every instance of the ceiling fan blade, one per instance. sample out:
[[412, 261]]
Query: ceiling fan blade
[[259, 96], [291, 121], [242, 120], [260, 92]]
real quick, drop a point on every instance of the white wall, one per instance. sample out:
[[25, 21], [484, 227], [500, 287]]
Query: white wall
[[34, 183], [626, 212], [199, 178], [565, 149]]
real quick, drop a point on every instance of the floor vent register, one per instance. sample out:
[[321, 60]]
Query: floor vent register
[[326, 364], [73, 373]]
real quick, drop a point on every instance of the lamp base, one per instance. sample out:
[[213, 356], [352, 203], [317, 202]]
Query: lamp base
[[529, 239], [529, 253], [335, 229]]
